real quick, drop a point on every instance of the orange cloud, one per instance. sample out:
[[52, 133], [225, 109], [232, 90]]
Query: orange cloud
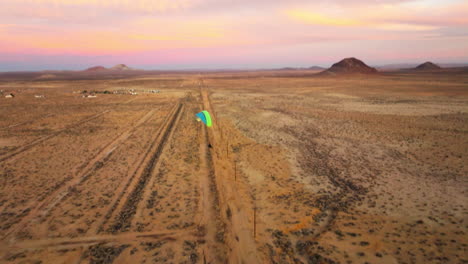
[[404, 27], [366, 20], [321, 19], [136, 36], [420, 15]]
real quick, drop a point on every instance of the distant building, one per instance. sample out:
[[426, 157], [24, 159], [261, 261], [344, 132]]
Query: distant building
[[39, 96], [10, 95]]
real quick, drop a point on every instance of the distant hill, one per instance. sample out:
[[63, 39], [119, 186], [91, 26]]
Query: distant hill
[[46, 76], [316, 68], [453, 65], [428, 66], [392, 67], [95, 69], [350, 66], [412, 66], [313, 68], [120, 67]]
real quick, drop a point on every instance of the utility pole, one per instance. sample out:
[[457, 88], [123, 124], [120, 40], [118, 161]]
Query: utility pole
[[235, 171], [255, 221]]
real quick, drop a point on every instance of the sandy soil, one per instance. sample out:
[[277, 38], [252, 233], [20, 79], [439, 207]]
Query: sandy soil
[[295, 169]]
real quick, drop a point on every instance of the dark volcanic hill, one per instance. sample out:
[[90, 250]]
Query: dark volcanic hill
[[96, 68], [428, 66], [350, 66]]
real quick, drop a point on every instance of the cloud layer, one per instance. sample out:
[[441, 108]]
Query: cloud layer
[[228, 33]]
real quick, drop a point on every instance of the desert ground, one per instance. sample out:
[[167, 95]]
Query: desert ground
[[295, 169]]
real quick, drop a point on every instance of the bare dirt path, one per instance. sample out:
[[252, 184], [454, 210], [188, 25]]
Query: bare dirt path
[[208, 203], [236, 213]]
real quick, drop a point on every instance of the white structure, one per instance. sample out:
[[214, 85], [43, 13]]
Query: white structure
[[39, 96], [9, 95]]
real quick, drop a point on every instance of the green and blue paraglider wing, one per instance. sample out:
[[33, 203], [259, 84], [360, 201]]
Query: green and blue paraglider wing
[[205, 117]]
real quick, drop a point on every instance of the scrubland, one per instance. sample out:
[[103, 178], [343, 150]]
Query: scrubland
[[296, 169]]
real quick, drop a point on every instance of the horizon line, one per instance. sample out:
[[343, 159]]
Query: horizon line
[[247, 68]]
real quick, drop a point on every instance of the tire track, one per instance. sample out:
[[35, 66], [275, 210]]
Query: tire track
[[61, 243], [25, 122], [147, 191], [127, 209], [98, 226], [36, 142], [116, 205], [80, 175]]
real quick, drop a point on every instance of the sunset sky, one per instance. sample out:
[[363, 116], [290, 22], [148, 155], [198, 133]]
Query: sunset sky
[[188, 34]]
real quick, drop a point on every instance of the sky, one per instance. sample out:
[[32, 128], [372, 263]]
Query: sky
[[228, 34]]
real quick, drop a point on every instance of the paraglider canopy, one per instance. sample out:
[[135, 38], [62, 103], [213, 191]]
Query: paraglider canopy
[[205, 117]]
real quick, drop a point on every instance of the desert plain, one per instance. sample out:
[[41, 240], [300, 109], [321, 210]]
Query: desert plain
[[297, 168]]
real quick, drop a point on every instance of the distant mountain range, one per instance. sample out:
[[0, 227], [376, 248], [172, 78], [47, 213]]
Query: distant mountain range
[[350, 65], [347, 65], [118, 67]]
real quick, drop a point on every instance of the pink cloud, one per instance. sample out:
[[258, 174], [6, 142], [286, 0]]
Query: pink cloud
[[225, 31]]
